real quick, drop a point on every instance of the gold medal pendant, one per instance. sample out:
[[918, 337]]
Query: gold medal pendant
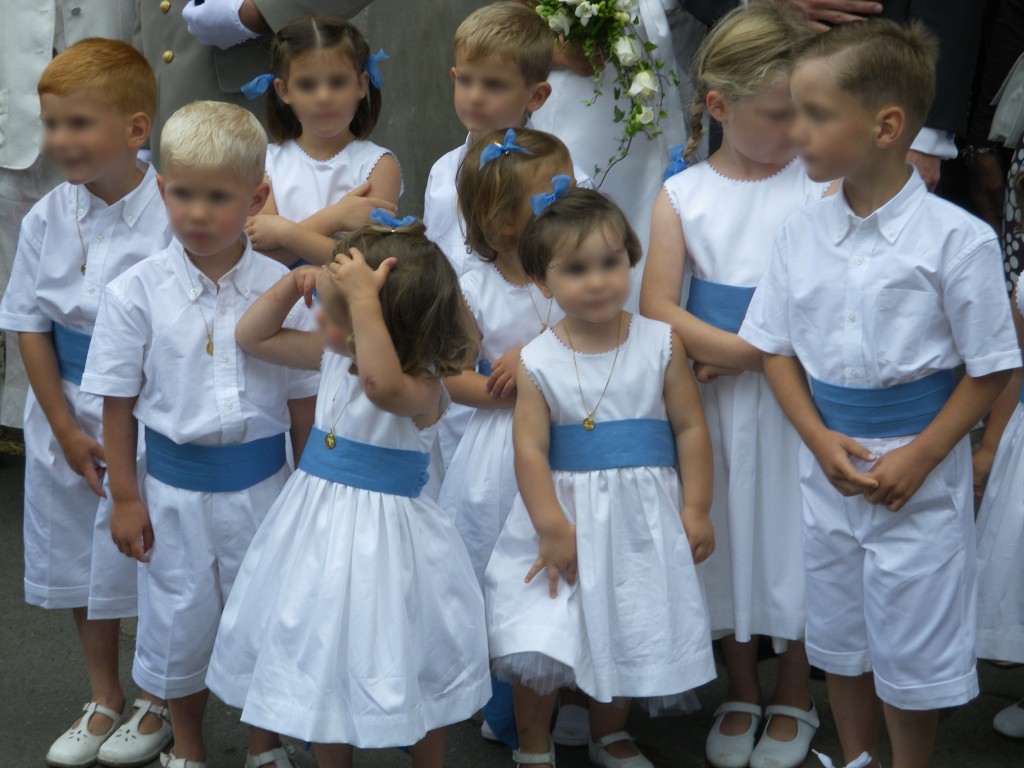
[[589, 424], [329, 441], [83, 268], [209, 348]]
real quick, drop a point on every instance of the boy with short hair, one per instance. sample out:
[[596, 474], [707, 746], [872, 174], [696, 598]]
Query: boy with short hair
[[164, 354], [872, 298], [97, 100]]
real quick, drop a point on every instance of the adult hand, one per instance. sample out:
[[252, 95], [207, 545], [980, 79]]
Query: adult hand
[[929, 166], [821, 15], [988, 187], [218, 23]]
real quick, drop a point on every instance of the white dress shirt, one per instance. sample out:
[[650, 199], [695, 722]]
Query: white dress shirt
[[150, 341], [914, 288]]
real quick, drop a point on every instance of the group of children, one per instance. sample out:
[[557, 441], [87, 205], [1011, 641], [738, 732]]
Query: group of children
[[365, 463]]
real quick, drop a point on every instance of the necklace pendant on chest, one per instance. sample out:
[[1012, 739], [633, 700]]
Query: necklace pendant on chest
[[329, 440], [83, 268], [589, 423], [209, 348], [543, 327]]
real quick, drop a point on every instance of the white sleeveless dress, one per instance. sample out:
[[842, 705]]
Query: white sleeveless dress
[[480, 483], [635, 624], [355, 617], [1001, 546], [754, 582]]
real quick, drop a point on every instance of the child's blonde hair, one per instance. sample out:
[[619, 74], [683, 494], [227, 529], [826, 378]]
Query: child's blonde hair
[[746, 50], [422, 304], [213, 134], [491, 197], [117, 70], [509, 31]]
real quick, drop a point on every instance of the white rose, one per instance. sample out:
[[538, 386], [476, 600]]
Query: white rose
[[646, 116], [626, 6], [560, 22], [627, 50], [644, 86], [584, 12]]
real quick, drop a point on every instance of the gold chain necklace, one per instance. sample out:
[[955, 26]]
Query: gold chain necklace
[[199, 305], [329, 440], [588, 420], [78, 226], [545, 321]]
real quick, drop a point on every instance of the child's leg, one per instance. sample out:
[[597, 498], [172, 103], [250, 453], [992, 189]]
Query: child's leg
[[187, 724], [912, 734], [855, 707], [261, 741], [99, 648], [741, 667], [793, 689], [533, 718], [333, 755], [608, 718], [428, 752]]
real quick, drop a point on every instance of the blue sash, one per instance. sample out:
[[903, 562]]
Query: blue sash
[[903, 409], [612, 445], [213, 468], [717, 304], [72, 347], [362, 465]]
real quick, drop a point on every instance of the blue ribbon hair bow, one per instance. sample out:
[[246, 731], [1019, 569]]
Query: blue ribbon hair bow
[[373, 68], [385, 219], [257, 86], [676, 164], [494, 151], [559, 189]]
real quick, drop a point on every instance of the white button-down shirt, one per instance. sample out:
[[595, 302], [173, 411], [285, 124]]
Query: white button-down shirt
[[914, 288], [47, 285], [150, 341]]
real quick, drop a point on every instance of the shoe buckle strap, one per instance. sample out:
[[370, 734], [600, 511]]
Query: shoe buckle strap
[[809, 716], [613, 738], [534, 758], [275, 758], [145, 705], [92, 708], [861, 761]]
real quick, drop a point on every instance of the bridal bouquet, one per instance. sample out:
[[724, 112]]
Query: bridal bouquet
[[606, 30]]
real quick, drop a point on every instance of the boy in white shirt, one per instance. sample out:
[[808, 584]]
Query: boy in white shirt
[[97, 100], [164, 354], [872, 297]]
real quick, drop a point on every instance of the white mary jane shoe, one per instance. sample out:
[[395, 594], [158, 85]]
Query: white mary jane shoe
[[599, 755], [168, 760], [535, 758], [572, 726], [724, 751], [1010, 721], [128, 747], [78, 748], [275, 758], [771, 753], [862, 761]]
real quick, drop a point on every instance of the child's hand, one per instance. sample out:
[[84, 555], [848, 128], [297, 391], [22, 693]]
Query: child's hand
[[833, 451], [982, 465], [354, 278], [354, 209], [557, 553], [502, 381], [706, 373], [85, 456], [899, 474], [699, 532], [131, 529], [305, 281], [267, 232]]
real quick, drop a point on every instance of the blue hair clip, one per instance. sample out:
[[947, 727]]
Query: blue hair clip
[[373, 70], [559, 189], [257, 86], [384, 218], [676, 164], [494, 151]]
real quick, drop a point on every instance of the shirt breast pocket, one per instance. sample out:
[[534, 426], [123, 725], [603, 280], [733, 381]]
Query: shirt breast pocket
[[902, 321]]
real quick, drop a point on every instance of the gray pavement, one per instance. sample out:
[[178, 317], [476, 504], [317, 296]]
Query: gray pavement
[[42, 687]]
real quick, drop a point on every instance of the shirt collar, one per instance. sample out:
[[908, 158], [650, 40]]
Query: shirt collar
[[890, 219], [131, 205], [194, 283]]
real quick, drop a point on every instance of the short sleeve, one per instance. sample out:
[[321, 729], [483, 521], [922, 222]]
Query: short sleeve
[[979, 315], [302, 383], [470, 285], [19, 310], [766, 325], [114, 366]]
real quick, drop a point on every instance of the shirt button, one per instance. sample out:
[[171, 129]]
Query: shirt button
[[131, 219], [76, 11], [229, 407], [165, 6], [223, 311], [891, 233], [860, 260], [99, 238], [853, 318], [80, 213], [92, 289], [224, 357], [168, 56]]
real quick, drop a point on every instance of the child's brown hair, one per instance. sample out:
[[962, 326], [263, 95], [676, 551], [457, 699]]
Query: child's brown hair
[[423, 307], [114, 68], [490, 197], [313, 33], [509, 31]]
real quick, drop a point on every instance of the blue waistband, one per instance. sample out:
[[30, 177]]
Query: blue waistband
[[612, 445], [362, 465], [72, 348], [903, 409], [213, 468], [717, 304]]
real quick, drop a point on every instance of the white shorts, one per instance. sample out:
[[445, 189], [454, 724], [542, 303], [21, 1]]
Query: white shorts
[[113, 592], [894, 593], [199, 540]]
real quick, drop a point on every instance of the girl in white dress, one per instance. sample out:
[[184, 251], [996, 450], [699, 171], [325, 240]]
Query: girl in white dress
[[355, 618], [1001, 536], [323, 101], [715, 222], [606, 402]]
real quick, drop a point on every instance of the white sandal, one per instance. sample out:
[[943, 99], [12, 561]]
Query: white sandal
[[772, 753], [535, 758], [168, 760], [599, 755], [274, 758], [129, 747], [1010, 721], [77, 747], [862, 761], [724, 751]]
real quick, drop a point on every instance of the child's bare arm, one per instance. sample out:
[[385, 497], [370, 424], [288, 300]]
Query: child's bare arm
[[287, 242], [693, 444], [354, 209], [130, 525], [260, 332]]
